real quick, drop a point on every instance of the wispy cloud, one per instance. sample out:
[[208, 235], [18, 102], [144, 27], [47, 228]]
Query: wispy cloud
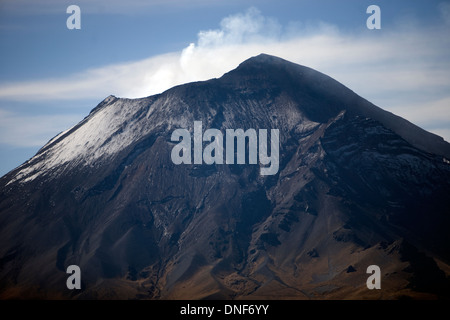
[[444, 8], [407, 69], [127, 79], [433, 114], [32, 131]]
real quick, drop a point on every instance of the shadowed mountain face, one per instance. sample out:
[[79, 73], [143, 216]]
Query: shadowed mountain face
[[356, 186]]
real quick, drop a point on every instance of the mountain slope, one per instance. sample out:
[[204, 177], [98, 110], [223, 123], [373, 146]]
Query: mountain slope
[[356, 186]]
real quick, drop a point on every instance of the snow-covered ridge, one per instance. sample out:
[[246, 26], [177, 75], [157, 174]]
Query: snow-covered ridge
[[299, 101], [103, 133]]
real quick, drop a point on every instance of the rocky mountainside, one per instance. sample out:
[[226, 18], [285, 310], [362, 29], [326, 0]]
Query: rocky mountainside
[[356, 186]]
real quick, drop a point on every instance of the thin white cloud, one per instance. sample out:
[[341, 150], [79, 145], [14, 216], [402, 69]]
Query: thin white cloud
[[444, 8], [120, 79], [32, 131], [397, 68], [434, 114], [248, 27]]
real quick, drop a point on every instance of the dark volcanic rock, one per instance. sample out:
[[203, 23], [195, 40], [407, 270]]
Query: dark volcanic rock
[[106, 196], [350, 269]]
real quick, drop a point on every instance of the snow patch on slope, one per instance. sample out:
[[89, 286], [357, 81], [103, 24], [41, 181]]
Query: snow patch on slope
[[104, 133]]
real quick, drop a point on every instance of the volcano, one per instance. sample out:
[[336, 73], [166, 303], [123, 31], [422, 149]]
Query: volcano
[[356, 186]]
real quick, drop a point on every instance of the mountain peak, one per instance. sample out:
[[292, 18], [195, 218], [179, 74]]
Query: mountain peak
[[265, 58], [306, 84], [107, 196], [265, 61], [108, 100]]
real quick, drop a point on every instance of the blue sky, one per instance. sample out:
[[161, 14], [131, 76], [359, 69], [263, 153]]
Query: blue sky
[[51, 77]]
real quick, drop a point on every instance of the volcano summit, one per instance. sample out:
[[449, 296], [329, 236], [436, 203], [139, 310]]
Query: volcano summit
[[356, 186]]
